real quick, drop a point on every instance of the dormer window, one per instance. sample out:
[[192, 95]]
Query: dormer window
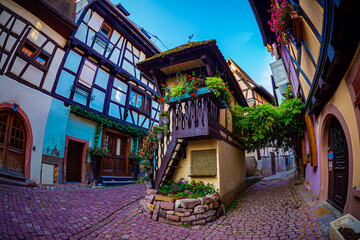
[[105, 30], [43, 58], [28, 49]]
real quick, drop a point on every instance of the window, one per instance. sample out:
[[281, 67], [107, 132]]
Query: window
[[33, 54], [105, 30], [148, 105], [87, 74], [137, 100]]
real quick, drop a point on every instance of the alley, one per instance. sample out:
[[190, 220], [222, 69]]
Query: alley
[[270, 210]]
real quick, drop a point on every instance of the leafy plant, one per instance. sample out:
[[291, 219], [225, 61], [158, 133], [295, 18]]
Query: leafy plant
[[185, 189], [164, 113], [134, 157]]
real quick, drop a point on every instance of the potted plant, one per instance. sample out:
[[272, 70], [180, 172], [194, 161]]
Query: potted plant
[[308, 157], [165, 117], [96, 154], [135, 160]]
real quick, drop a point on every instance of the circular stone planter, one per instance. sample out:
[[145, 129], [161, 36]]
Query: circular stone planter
[[189, 212]]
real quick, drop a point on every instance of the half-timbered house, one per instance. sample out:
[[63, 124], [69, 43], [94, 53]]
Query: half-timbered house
[[201, 144]]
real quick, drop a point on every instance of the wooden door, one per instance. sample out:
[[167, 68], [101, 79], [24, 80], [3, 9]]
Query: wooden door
[[73, 162], [117, 163], [12, 143], [337, 165]]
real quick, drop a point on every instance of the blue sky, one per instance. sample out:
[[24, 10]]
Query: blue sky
[[230, 22]]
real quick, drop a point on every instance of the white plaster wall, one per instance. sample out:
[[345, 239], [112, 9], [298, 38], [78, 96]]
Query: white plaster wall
[[36, 105]]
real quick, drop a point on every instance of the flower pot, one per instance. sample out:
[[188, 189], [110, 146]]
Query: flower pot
[[159, 135], [95, 164], [347, 221], [165, 119]]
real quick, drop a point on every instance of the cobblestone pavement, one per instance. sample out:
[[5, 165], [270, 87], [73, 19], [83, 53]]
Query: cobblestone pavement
[[270, 210]]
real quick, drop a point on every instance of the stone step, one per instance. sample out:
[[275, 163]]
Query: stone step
[[116, 178], [116, 183]]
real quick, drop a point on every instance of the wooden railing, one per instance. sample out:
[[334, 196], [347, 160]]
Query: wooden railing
[[194, 118]]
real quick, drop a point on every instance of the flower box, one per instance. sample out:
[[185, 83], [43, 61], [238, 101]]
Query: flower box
[[347, 221], [202, 92]]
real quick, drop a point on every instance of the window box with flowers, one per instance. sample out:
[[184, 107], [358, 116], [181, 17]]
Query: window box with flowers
[[96, 154], [285, 22], [192, 87]]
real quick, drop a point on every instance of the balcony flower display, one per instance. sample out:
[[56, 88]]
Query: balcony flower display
[[192, 86], [280, 21]]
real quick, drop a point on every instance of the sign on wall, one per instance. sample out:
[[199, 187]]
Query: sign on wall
[[203, 163]]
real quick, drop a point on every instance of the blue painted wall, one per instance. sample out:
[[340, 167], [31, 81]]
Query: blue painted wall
[[54, 138]]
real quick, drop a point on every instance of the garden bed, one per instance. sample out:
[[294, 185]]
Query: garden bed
[[188, 211]]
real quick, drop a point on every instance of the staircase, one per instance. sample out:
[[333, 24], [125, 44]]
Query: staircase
[[109, 181], [13, 179], [175, 151]]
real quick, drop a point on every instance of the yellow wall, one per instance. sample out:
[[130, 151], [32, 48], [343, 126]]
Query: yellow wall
[[183, 169], [342, 100], [314, 11], [311, 41], [232, 171]]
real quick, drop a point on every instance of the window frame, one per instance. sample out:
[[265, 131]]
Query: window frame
[[108, 26], [33, 58]]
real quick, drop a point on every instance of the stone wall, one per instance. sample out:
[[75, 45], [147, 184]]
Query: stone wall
[[165, 209]]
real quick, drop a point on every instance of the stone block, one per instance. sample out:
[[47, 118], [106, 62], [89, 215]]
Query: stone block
[[167, 205], [163, 220], [149, 199], [186, 214], [199, 209], [210, 213], [188, 219], [150, 206], [201, 216], [177, 203], [184, 210], [215, 197], [170, 212], [173, 218], [165, 198], [147, 210], [151, 191], [206, 200], [190, 203], [156, 212], [206, 206], [162, 212], [141, 202], [214, 205], [200, 222], [211, 218], [180, 214]]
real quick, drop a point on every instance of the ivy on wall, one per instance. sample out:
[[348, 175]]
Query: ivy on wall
[[104, 122]]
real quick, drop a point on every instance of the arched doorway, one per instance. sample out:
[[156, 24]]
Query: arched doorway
[[338, 164], [12, 143]]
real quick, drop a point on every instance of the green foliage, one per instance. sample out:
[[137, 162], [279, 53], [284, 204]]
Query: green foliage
[[235, 203], [97, 151], [104, 122], [185, 189], [264, 125]]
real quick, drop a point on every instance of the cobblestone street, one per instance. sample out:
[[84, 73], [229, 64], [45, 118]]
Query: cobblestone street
[[270, 210]]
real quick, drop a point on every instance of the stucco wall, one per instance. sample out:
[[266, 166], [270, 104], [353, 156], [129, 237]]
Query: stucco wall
[[81, 128], [232, 171], [36, 105], [183, 169]]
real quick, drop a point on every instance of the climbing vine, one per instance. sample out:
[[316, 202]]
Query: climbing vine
[[266, 126], [104, 122]]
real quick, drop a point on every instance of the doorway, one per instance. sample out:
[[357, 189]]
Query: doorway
[[74, 161], [117, 163], [337, 165], [12, 143]]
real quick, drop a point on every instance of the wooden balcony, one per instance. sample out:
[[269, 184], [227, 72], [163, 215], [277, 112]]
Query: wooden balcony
[[192, 118]]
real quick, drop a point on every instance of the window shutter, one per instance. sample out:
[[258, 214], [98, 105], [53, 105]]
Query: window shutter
[[87, 74], [312, 139]]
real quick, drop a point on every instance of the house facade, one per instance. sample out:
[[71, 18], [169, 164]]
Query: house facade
[[322, 66], [266, 161], [66, 86], [201, 144]]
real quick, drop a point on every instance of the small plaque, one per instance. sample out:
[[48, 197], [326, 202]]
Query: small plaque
[[203, 163]]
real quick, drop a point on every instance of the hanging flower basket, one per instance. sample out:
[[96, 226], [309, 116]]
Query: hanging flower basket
[[159, 135]]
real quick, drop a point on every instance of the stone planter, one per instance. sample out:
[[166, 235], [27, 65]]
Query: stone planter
[[347, 221], [95, 164], [189, 212]]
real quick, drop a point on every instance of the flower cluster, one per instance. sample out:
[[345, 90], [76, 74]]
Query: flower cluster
[[184, 189], [146, 153], [134, 157], [164, 113], [280, 21], [219, 88], [98, 151]]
